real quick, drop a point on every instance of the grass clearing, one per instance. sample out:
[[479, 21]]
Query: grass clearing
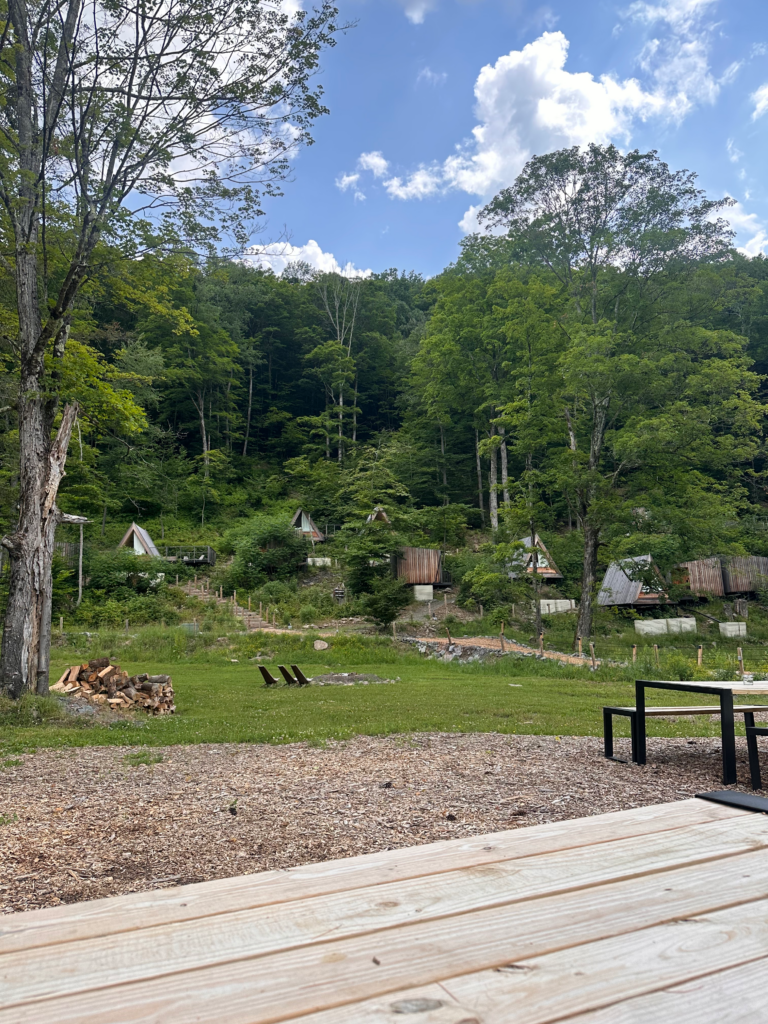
[[226, 703]]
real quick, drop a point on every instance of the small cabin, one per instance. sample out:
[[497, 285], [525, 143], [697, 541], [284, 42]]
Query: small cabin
[[633, 582], [303, 524], [720, 577], [378, 516], [420, 566], [138, 539], [522, 561]]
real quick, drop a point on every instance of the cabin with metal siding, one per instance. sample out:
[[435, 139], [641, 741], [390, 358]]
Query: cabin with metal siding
[[420, 566], [620, 589], [705, 576], [743, 575]]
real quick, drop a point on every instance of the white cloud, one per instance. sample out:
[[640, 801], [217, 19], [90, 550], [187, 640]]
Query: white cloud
[[277, 257], [432, 77], [416, 10], [528, 103], [747, 224], [734, 154], [373, 162], [346, 181], [760, 99]]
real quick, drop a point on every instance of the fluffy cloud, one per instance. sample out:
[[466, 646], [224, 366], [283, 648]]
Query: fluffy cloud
[[760, 99], [528, 102], [277, 257], [747, 224], [416, 10], [373, 162], [347, 181]]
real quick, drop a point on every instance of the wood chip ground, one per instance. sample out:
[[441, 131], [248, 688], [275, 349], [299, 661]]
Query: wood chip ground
[[78, 824]]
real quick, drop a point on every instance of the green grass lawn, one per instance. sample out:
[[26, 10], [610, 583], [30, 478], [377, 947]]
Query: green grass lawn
[[226, 703]]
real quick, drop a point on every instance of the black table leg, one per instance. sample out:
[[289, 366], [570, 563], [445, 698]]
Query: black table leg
[[608, 732], [729, 737], [639, 743]]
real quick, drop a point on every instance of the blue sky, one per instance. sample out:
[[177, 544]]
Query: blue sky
[[437, 104]]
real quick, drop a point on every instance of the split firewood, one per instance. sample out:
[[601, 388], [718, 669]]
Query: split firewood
[[104, 683]]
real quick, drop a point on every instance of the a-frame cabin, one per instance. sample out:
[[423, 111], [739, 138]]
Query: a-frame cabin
[[138, 538], [545, 563], [303, 524]]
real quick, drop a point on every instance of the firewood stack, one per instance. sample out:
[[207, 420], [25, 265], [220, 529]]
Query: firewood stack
[[111, 685]]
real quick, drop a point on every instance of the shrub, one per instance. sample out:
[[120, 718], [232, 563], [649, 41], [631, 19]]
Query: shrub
[[388, 595], [269, 550]]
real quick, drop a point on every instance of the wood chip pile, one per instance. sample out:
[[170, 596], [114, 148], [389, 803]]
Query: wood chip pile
[[103, 683]]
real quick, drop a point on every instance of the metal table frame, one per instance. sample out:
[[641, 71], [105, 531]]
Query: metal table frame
[[726, 719]]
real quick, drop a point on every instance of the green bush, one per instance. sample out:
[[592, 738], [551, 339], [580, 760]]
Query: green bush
[[267, 550], [388, 595]]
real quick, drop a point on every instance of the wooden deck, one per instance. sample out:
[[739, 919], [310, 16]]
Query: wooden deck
[[646, 916]]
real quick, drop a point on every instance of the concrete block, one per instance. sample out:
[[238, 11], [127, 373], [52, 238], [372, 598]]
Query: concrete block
[[319, 561], [733, 629], [555, 606], [650, 627], [423, 592], [681, 625]]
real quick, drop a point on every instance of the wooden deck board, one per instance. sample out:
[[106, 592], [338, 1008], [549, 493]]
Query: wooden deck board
[[597, 916], [203, 899]]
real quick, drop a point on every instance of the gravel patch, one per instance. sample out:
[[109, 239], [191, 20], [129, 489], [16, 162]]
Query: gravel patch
[[79, 824]]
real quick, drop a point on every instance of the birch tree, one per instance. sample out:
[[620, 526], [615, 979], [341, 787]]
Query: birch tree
[[140, 124]]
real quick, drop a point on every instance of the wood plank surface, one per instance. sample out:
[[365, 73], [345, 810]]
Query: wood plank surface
[[80, 965], [736, 996], [332, 973], [582, 978], [118, 914]]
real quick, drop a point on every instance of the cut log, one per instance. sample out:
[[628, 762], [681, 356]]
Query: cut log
[[106, 671], [98, 663], [59, 686], [159, 679], [63, 678], [73, 673]]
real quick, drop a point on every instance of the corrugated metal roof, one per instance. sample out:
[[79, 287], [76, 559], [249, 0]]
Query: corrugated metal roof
[[618, 588], [145, 540]]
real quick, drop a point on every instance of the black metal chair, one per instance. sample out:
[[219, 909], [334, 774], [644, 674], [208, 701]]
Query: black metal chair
[[287, 676], [269, 679], [753, 731], [303, 681]]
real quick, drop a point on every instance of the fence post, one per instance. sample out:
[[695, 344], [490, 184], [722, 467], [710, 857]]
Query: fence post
[[579, 640], [740, 657], [656, 654], [592, 654], [501, 638], [126, 625], [541, 644], [61, 623], [634, 653], [249, 602], [700, 656]]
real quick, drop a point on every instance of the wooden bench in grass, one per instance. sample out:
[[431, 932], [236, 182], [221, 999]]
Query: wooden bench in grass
[[748, 710]]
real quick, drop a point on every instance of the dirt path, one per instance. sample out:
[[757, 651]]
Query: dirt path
[[492, 643], [80, 824]]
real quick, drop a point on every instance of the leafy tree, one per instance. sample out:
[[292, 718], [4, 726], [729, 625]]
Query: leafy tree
[[386, 599]]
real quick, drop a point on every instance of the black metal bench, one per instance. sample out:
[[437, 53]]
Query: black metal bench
[[753, 731], [748, 710]]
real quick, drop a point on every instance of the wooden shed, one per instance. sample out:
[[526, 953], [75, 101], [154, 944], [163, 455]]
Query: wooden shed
[[303, 524], [420, 566], [138, 538], [704, 576], [522, 561], [622, 584], [744, 575]]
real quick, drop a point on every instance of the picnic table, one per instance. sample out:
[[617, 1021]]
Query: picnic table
[[652, 914], [725, 691]]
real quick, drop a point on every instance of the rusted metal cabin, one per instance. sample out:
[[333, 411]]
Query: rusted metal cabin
[[421, 566], [522, 561], [620, 589], [723, 576], [303, 524]]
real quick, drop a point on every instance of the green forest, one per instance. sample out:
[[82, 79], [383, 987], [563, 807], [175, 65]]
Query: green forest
[[592, 368]]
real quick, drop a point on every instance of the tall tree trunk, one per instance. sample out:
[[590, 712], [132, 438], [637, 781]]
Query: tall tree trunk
[[26, 634], [445, 468], [354, 415], [588, 579], [493, 490], [340, 455], [248, 416], [504, 472], [200, 406], [479, 475]]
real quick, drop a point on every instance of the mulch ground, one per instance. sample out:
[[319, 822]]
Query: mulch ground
[[79, 824]]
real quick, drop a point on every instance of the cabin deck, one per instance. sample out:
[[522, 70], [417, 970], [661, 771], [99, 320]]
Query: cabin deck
[[647, 915]]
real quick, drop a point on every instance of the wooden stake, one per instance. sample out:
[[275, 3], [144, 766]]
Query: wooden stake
[[740, 658], [592, 654], [195, 579], [541, 643], [249, 602], [482, 613], [656, 654], [445, 602], [61, 623], [700, 658], [126, 625], [394, 630], [501, 637], [634, 653], [579, 641], [259, 609], [449, 636], [177, 579]]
